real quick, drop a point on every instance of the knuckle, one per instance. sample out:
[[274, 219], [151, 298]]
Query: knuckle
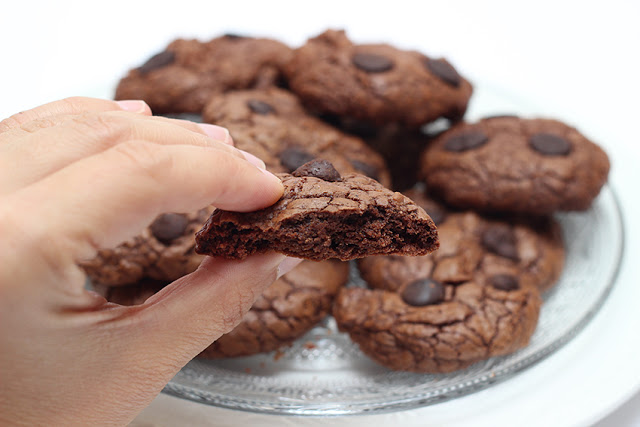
[[145, 157], [12, 122]]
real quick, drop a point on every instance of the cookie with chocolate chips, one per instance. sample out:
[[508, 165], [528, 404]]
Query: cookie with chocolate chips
[[377, 83], [511, 164], [323, 215], [286, 310], [273, 125], [187, 73], [477, 297], [163, 251]]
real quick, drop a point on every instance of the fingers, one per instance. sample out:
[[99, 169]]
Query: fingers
[[74, 105], [43, 146], [112, 195]]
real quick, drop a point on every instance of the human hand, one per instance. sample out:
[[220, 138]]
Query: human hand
[[82, 174]]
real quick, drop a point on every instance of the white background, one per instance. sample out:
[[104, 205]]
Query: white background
[[578, 61]]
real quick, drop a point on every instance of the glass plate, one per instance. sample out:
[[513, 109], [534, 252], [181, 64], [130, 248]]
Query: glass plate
[[324, 373]]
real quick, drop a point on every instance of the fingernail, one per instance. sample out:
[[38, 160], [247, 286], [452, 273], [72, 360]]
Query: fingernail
[[133, 105], [253, 159], [216, 132], [287, 265]]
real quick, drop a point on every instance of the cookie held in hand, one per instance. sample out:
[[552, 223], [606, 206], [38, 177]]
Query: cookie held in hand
[[323, 215]]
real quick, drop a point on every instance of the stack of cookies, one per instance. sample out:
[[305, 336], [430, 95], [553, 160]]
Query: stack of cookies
[[345, 126]]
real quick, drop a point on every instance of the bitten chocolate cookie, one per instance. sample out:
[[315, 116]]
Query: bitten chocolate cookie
[[376, 82], [287, 309], [477, 297], [511, 164], [184, 76], [163, 251], [273, 125], [323, 215]]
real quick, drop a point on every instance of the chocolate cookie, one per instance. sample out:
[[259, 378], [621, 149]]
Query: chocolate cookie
[[323, 215], [163, 251], [477, 297], [287, 309], [510, 164], [188, 72], [273, 125], [376, 82]]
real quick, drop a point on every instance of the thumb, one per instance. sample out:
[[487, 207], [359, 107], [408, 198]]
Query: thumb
[[182, 319]]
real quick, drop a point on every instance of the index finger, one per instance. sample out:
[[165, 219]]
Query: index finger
[[73, 105]]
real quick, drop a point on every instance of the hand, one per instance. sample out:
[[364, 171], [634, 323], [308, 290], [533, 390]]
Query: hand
[[82, 174]]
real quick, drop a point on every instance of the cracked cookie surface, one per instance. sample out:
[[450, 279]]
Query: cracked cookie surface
[[320, 216], [273, 125], [477, 297], [510, 164], [165, 250], [375, 82], [184, 76]]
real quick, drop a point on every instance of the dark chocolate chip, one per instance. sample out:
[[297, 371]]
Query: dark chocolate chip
[[232, 36], [260, 107], [192, 117], [294, 157], [372, 63], [158, 60], [465, 141], [169, 226], [550, 144], [320, 169], [501, 241], [444, 71], [366, 169], [504, 282], [423, 292]]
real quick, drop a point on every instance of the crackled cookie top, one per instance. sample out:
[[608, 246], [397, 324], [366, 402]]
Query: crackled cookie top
[[184, 76], [510, 164], [163, 251], [273, 125], [376, 82], [478, 296], [323, 215], [286, 310]]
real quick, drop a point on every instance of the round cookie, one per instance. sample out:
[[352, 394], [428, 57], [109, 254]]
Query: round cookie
[[511, 164], [163, 251], [375, 82], [477, 297], [286, 310], [188, 72], [273, 125]]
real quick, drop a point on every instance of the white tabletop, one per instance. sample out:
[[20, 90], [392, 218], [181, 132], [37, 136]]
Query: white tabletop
[[578, 61]]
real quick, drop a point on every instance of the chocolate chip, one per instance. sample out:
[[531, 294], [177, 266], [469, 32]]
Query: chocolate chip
[[372, 63], [169, 226], [232, 36], [444, 71], [192, 117], [260, 107], [366, 169], [294, 157], [550, 144], [320, 169], [501, 241], [504, 282], [465, 141], [423, 292], [158, 60]]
